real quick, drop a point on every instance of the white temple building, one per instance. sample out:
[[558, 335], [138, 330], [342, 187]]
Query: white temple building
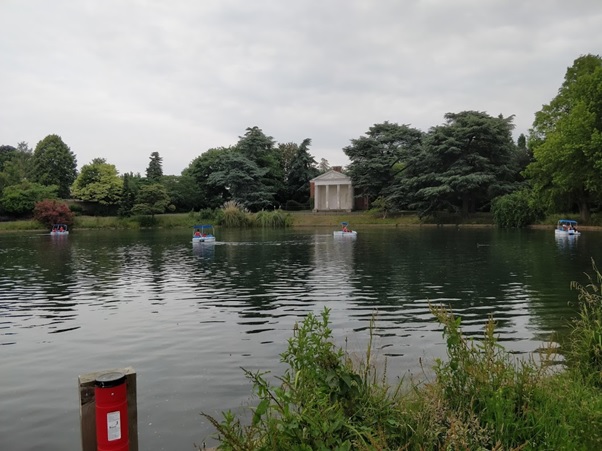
[[332, 191]]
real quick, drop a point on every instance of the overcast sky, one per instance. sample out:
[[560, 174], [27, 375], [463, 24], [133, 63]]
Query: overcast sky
[[120, 79]]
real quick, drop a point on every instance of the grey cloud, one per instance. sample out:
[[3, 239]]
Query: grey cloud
[[121, 79]]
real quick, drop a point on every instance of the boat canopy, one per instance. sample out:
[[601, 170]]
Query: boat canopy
[[567, 221], [202, 226], [58, 226], [344, 223]]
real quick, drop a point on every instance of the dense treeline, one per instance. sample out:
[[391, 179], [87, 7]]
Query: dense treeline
[[257, 174], [470, 163]]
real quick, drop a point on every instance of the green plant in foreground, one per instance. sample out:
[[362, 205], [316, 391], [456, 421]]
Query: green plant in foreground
[[322, 403], [482, 398], [584, 352]]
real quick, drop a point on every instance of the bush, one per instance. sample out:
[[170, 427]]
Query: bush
[[518, 209], [49, 212]]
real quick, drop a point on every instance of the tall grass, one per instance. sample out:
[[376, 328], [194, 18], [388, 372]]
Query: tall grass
[[234, 215], [25, 224], [481, 397], [273, 219], [585, 347]]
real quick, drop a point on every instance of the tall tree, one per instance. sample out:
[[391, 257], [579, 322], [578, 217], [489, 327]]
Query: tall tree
[[323, 166], [260, 149], [566, 140], [210, 195], [257, 146], [127, 199], [6, 154], [464, 164], [301, 170], [99, 182], [53, 163], [154, 171], [16, 167], [288, 152], [241, 177], [183, 192], [378, 157]]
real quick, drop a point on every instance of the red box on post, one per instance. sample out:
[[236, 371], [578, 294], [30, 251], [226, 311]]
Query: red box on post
[[111, 412]]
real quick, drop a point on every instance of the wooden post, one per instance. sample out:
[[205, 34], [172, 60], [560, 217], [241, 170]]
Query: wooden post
[[87, 409]]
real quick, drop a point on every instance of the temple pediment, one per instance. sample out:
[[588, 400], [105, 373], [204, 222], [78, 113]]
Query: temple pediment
[[332, 176]]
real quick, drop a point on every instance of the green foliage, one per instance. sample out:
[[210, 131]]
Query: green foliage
[[53, 163], [151, 200], [382, 206], [233, 215], [464, 163], [14, 164], [183, 192], [301, 170], [154, 171], [98, 182], [127, 199], [243, 179], [20, 200], [273, 219], [269, 177], [378, 157], [566, 139], [204, 215], [518, 209], [482, 397], [210, 195], [321, 403], [6, 154], [481, 381], [23, 224], [584, 353], [76, 208], [49, 212]]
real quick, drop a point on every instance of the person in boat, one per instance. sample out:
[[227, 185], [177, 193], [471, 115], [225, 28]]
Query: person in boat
[[61, 229], [197, 233], [345, 229]]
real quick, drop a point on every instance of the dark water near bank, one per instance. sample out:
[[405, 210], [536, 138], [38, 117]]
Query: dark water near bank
[[188, 317]]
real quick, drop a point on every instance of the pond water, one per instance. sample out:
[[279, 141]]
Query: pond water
[[188, 317]]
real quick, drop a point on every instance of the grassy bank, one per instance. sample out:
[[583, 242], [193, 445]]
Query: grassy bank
[[278, 218], [237, 218], [481, 397]]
